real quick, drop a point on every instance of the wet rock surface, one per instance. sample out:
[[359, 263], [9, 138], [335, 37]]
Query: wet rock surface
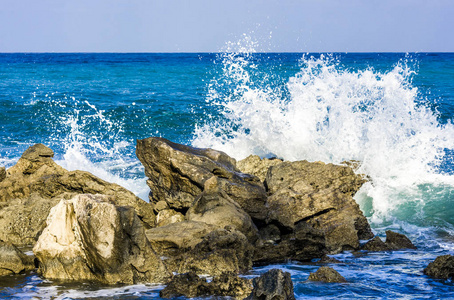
[[441, 268], [89, 238], [273, 285], [14, 261], [397, 241], [36, 183], [190, 285], [326, 274]]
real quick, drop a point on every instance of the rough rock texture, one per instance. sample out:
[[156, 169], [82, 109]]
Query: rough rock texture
[[222, 250], [190, 285], [273, 285], [254, 165], [168, 216], [88, 238], [36, 183], [215, 207], [375, 244], [328, 260], [397, 241], [304, 243], [321, 195], [326, 274], [177, 174], [2, 173], [441, 268], [13, 261]]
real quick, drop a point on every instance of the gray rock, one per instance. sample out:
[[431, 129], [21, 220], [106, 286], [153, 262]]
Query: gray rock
[[273, 285], [441, 268], [321, 195], [177, 174], [257, 166], [215, 207], [36, 183], [13, 261], [326, 274], [88, 238]]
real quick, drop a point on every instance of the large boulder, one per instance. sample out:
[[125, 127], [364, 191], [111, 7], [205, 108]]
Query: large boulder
[[257, 166], [321, 195], [13, 261], [273, 285], [326, 274], [89, 238], [36, 183], [177, 175], [441, 268], [190, 285], [215, 207], [394, 241]]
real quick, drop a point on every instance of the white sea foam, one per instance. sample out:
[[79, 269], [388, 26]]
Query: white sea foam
[[333, 114]]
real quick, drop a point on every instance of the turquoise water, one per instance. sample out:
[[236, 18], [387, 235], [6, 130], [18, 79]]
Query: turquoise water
[[392, 112]]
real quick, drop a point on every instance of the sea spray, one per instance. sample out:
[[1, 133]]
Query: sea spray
[[329, 113]]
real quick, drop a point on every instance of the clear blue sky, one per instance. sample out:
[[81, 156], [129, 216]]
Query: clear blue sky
[[206, 25]]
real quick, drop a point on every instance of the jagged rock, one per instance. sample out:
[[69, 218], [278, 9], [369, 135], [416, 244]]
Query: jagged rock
[[36, 183], [328, 260], [273, 285], [160, 205], [304, 243], [13, 261], [441, 268], [270, 234], [168, 216], [89, 238], [375, 244], [2, 173], [190, 285], [222, 250], [319, 194], [254, 165], [215, 207], [326, 274], [177, 174], [397, 241]]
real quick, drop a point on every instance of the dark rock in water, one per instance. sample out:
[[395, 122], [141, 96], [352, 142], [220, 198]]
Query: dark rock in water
[[304, 243], [89, 238], [222, 250], [321, 195], [2, 173], [441, 268], [190, 285], [328, 260], [375, 244], [36, 183], [397, 241], [254, 165], [13, 261], [215, 207], [273, 285], [177, 175], [326, 274]]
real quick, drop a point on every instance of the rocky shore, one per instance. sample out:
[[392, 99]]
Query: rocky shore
[[207, 215]]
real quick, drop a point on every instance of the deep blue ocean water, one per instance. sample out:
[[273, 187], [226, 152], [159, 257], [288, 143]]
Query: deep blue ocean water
[[391, 111]]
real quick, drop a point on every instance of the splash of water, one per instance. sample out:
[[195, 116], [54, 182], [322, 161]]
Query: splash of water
[[333, 114]]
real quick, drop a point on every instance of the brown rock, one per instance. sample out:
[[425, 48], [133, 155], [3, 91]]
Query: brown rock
[[326, 274], [177, 174], [254, 165], [168, 216], [441, 268], [36, 183], [319, 194], [2, 173], [88, 238], [13, 261], [397, 241], [215, 207], [273, 285]]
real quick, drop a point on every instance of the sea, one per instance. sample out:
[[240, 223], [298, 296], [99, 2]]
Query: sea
[[392, 112]]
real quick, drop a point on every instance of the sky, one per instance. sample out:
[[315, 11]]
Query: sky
[[209, 25]]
